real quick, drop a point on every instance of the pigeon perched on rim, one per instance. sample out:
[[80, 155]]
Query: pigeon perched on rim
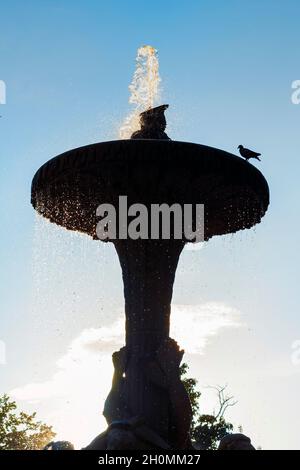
[[247, 154]]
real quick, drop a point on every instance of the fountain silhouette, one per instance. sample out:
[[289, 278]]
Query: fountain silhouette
[[148, 406]]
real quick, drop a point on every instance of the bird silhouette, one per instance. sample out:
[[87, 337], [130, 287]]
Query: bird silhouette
[[247, 154]]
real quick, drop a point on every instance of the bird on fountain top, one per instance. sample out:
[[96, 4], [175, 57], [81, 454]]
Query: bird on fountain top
[[247, 154], [153, 124]]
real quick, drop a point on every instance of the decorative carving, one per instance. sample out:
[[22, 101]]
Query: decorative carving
[[153, 124], [124, 429]]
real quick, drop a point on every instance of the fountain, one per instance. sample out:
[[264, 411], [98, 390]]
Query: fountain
[[148, 407]]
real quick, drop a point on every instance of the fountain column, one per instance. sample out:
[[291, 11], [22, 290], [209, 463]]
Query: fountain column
[[148, 268]]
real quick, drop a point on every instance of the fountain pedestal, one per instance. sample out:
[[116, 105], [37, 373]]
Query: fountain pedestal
[[148, 268]]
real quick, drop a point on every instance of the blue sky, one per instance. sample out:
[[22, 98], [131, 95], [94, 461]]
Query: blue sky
[[227, 69]]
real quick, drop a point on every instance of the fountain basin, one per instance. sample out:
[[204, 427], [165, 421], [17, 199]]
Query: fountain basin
[[68, 188]]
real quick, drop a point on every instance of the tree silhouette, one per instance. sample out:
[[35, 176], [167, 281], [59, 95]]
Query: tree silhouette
[[207, 430], [19, 430]]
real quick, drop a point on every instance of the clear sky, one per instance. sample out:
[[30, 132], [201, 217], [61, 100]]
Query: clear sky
[[227, 69]]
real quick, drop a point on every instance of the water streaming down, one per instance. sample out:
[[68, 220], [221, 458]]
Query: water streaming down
[[63, 264], [144, 88]]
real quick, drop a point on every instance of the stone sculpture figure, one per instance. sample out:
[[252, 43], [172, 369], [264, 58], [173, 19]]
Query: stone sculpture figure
[[153, 124], [127, 431]]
